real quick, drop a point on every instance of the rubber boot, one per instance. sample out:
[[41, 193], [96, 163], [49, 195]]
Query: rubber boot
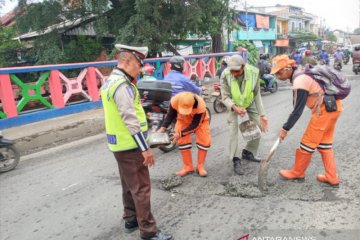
[[330, 176], [201, 159], [302, 160], [187, 160]]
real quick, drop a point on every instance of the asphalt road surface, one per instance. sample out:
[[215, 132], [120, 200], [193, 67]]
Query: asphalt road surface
[[74, 191]]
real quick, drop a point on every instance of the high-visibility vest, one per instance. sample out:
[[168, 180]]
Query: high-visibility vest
[[243, 99], [118, 135]]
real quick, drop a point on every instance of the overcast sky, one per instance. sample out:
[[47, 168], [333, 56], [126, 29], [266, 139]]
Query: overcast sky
[[339, 14]]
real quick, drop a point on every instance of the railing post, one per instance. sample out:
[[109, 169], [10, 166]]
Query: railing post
[[92, 84], [7, 96], [55, 86]]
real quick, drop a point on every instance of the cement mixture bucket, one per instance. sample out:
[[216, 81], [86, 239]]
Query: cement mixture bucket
[[249, 130]]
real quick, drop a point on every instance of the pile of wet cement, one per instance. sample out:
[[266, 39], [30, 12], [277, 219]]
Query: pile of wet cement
[[171, 182], [237, 187]]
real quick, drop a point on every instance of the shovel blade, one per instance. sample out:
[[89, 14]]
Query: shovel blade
[[262, 175]]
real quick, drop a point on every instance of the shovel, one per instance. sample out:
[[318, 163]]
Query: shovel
[[264, 167]]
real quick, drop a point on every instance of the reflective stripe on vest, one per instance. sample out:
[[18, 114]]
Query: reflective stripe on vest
[[246, 98], [119, 137]]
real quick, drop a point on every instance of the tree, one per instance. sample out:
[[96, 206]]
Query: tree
[[10, 50], [357, 31], [301, 37], [156, 24], [330, 36], [253, 53]]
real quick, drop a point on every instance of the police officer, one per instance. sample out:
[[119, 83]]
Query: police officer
[[126, 130]]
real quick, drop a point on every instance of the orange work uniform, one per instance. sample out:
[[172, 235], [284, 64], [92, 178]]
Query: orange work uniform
[[319, 133], [196, 122]]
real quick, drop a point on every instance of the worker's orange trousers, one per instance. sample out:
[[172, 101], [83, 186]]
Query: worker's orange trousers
[[203, 136], [320, 135]]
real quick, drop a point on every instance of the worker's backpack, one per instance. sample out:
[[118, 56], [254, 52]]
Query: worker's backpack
[[331, 81]]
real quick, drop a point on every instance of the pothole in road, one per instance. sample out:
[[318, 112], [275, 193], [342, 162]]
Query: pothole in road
[[241, 186]]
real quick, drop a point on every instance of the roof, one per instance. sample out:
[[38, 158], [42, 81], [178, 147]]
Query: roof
[[65, 25], [9, 18], [256, 12]]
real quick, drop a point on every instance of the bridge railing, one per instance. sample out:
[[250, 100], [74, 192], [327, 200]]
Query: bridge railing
[[53, 89]]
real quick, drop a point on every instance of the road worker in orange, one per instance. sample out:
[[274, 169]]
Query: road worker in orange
[[320, 130], [191, 116]]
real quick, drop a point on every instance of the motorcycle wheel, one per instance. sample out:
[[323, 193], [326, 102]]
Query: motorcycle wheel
[[274, 87], [10, 158], [219, 106]]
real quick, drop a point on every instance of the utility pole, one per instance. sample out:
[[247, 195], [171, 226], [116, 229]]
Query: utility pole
[[246, 21]]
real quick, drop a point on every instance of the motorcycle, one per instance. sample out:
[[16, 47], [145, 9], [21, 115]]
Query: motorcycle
[[219, 106], [273, 84], [9, 155], [155, 97], [155, 113], [346, 59], [356, 67], [337, 65]]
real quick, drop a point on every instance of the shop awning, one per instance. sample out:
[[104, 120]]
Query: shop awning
[[282, 43]]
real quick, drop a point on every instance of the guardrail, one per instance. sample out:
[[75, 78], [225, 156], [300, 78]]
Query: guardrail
[[54, 94]]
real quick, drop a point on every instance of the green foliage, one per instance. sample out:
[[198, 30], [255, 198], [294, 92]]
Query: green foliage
[[39, 16], [357, 31], [301, 37], [82, 49], [9, 48], [253, 53], [331, 37], [156, 24], [47, 50]]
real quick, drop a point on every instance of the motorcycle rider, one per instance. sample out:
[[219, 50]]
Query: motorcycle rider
[[264, 67], [339, 57], [325, 57], [191, 116], [223, 65], [308, 59], [147, 72], [355, 54], [298, 57], [180, 83]]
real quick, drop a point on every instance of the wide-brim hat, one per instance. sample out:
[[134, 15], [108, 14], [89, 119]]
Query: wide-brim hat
[[280, 62]]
